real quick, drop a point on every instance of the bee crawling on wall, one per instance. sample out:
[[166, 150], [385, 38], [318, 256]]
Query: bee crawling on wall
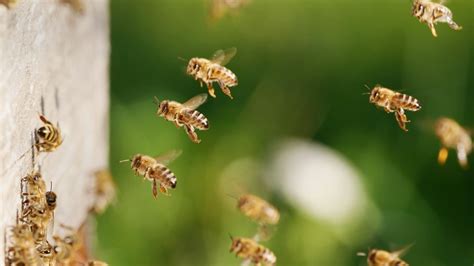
[[394, 102], [185, 115], [213, 70], [431, 13], [378, 257], [453, 136], [66, 247], [155, 170], [8, 3], [20, 246], [49, 136], [249, 250], [104, 192]]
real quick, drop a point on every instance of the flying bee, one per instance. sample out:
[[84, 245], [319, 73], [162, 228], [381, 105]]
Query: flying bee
[[213, 70], [258, 209], [49, 136], [249, 249], [155, 170], [453, 136], [431, 13], [394, 102], [219, 8], [105, 191], [377, 257], [185, 115]]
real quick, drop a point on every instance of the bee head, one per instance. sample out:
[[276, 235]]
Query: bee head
[[193, 67], [136, 161], [174, 183], [42, 132], [163, 108], [418, 8], [236, 245], [375, 94], [51, 199]]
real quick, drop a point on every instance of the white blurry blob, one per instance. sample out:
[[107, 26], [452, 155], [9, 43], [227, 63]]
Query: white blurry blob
[[318, 180]]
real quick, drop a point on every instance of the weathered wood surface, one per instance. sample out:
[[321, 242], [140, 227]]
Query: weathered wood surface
[[50, 51]]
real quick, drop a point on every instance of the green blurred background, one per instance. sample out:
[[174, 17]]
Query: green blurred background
[[302, 66]]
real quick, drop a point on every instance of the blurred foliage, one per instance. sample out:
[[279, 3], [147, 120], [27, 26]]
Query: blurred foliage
[[302, 66]]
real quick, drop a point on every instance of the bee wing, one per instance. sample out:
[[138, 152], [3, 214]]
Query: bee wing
[[222, 57], [168, 157], [196, 101], [402, 251]]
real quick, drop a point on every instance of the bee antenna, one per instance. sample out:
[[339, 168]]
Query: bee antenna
[[361, 254], [231, 196], [126, 160], [156, 100], [182, 59], [51, 186], [231, 237], [367, 86]]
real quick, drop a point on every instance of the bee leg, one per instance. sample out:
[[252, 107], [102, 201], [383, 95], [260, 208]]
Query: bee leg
[[154, 189], [432, 28], [192, 134], [225, 90], [164, 190], [462, 157], [442, 155], [401, 119], [453, 24], [210, 89]]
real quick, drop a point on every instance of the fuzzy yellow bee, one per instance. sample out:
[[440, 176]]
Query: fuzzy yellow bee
[[258, 209], [185, 115], [249, 249], [8, 3], [212, 70], [66, 247], [20, 247], [155, 170], [453, 136], [49, 136], [394, 102], [378, 257], [429, 12]]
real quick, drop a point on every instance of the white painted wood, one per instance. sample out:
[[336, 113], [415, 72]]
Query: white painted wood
[[49, 51]]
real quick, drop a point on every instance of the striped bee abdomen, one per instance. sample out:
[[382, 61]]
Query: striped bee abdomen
[[408, 102], [164, 175], [195, 119], [223, 75]]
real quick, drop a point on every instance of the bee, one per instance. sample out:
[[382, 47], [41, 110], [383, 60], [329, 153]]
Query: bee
[[394, 102], [8, 3], [185, 115], [49, 136], [220, 7], [21, 249], [46, 253], [431, 13], [66, 247], [249, 249], [155, 170], [377, 257], [76, 5], [38, 214], [258, 209], [209, 71], [454, 136], [105, 191], [33, 189]]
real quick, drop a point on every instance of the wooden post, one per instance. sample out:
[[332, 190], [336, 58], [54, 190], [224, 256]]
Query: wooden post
[[54, 59]]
